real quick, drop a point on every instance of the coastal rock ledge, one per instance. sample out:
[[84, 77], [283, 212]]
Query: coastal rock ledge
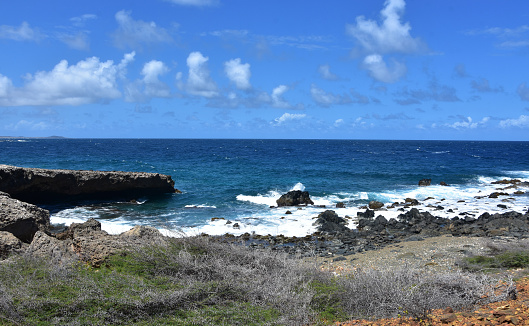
[[43, 185]]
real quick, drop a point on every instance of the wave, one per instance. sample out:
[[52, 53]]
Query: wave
[[200, 206]]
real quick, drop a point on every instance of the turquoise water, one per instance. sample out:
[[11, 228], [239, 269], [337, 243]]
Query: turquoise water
[[238, 180]]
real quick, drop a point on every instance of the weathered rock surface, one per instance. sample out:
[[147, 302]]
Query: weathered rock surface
[[93, 245], [51, 248], [41, 185], [425, 182], [9, 244], [294, 198], [330, 222], [375, 204], [21, 219]]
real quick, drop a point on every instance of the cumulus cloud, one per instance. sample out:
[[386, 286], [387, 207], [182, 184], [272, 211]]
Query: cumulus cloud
[[286, 117], [277, 97], [153, 86], [389, 37], [22, 33], [88, 81], [468, 123], [521, 122], [325, 73], [523, 92], [379, 70], [196, 3], [199, 81], [132, 33], [238, 73]]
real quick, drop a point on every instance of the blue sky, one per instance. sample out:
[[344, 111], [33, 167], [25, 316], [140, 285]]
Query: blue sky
[[345, 69]]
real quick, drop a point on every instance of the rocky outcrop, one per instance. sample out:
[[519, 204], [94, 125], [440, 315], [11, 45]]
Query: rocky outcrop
[[330, 222], [9, 244], [42, 185], [88, 243], [375, 204], [21, 219], [295, 198], [425, 182]]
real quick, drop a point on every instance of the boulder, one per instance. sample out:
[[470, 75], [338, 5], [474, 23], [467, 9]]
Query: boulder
[[294, 198], [9, 244], [425, 182], [43, 185], [330, 222], [340, 205], [375, 204], [21, 219], [51, 248], [444, 184]]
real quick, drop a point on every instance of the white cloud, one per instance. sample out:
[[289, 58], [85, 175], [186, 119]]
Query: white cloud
[[153, 86], [197, 3], [5, 86], [338, 123], [523, 92], [238, 73], [199, 81], [483, 85], [88, 81], [277, 97], [78, 41], [22, 33], [132, 33], [327, 99], [379, 70], [389, 37], [468, 123], [521, 122], [325, 73], [286, 117], [80, 21]]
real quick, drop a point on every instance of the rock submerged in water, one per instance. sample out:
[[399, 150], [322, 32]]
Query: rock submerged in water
[[295, 198], [425, 182]]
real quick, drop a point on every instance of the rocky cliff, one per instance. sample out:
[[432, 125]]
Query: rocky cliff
[[43, 185]]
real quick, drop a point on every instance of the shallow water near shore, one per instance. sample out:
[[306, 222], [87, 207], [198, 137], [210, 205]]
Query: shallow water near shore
[[238, 180]]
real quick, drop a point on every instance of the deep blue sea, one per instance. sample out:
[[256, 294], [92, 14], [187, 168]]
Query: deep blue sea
[[238, 180]]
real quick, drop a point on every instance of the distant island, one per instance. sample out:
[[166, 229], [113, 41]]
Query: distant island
[[23, 137]]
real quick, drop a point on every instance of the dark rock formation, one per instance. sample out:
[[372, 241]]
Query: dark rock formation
[[375, 204], [330, 222], [21, 219], [42, 185], [294, 198], [443, 184], [340, 205], [425, 182]]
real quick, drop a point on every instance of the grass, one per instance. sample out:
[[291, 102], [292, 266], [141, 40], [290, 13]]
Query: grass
[[199, 281], [509, 255]]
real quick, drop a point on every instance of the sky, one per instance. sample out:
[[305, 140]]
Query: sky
[[335, 69]]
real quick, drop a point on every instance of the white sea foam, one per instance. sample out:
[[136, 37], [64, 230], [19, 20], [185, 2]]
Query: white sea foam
[[454, 200], [200, 206]]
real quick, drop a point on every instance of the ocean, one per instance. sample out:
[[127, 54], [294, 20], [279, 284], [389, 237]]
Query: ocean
[[229, 181]]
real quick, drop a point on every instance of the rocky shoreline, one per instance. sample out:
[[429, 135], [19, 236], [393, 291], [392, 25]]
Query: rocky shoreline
[[25, 228]]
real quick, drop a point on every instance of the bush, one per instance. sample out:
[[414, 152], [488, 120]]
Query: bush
[[200, 281]]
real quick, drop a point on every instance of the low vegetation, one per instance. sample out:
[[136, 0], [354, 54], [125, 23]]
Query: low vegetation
[[198, 281], [508, 255]]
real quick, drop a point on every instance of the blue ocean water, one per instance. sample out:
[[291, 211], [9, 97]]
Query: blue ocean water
[[238, 180]]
